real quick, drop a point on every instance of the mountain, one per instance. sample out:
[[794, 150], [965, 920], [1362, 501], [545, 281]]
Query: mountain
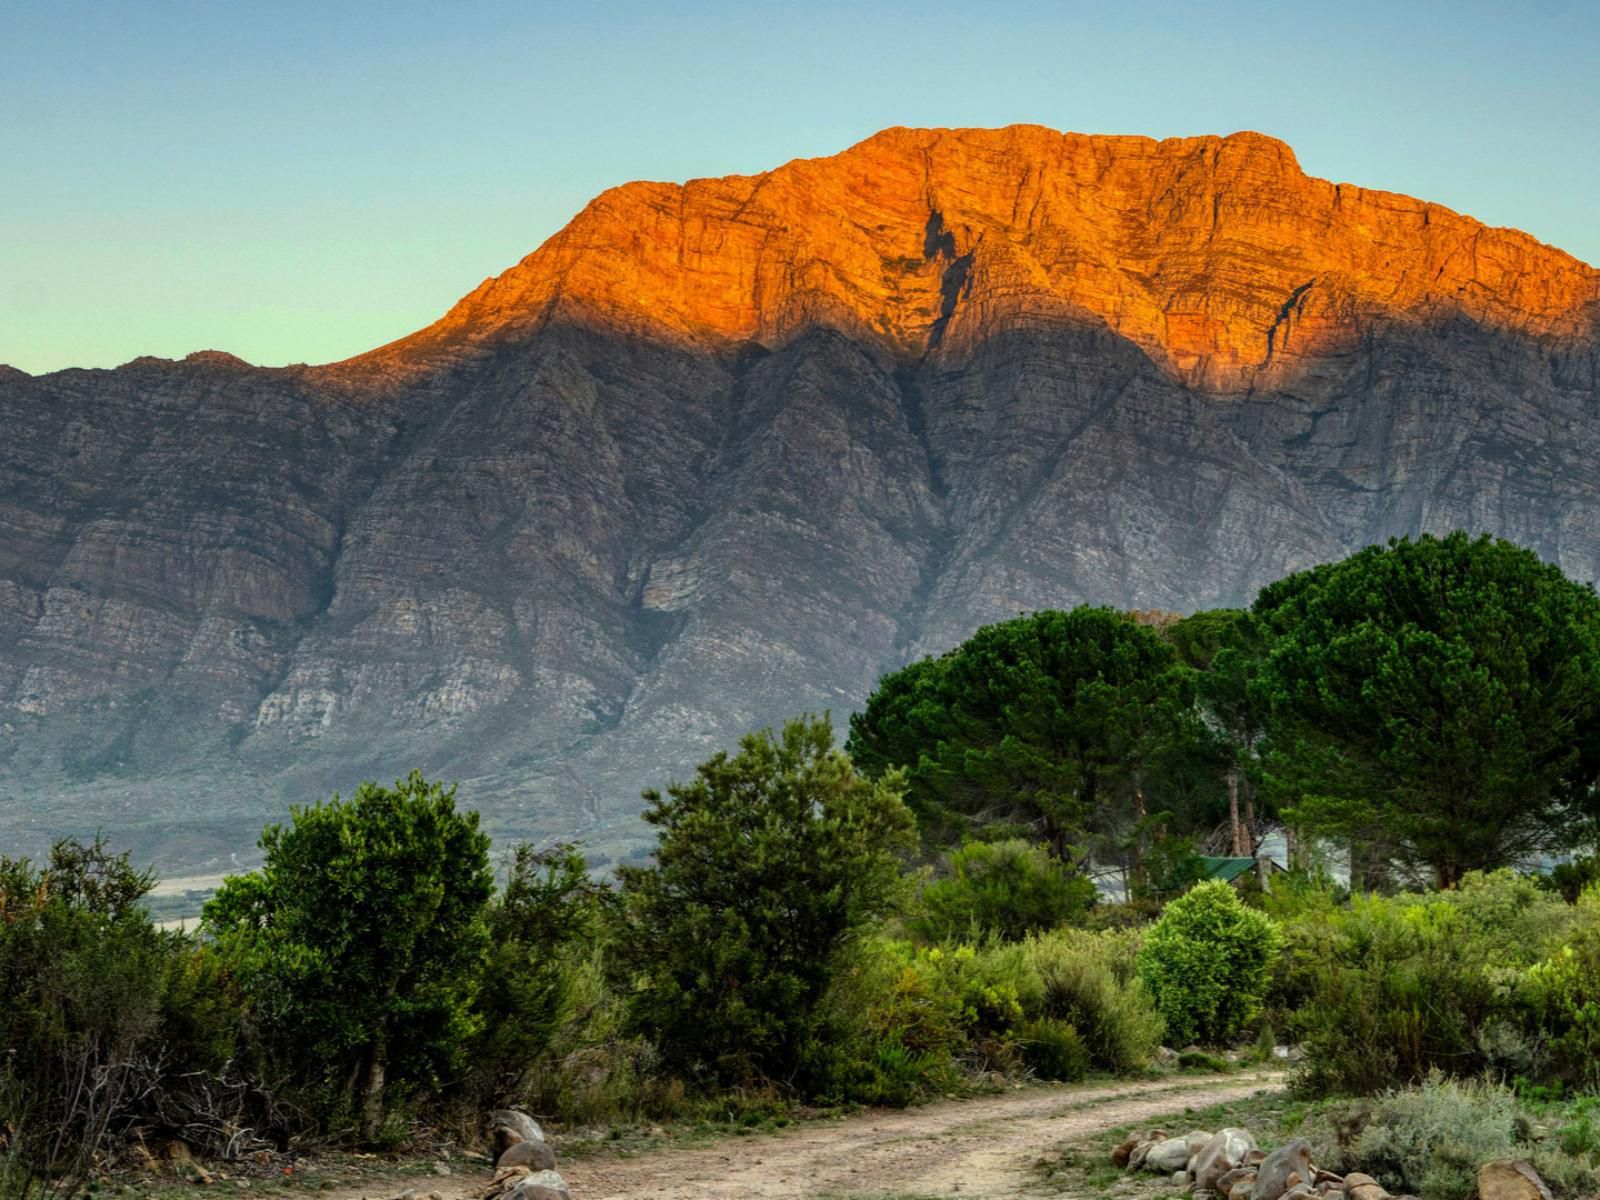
[[724, 451]]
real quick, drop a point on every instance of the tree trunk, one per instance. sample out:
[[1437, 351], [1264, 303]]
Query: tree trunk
[[1138, 835], [372, 1093], [1250, 820], [1235, 833], [1059, 839]]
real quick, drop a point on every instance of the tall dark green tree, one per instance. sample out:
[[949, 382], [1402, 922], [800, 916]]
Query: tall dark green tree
[[1224, 649], [359, 943], [1038, 726], [771, 862], [1435, 697]]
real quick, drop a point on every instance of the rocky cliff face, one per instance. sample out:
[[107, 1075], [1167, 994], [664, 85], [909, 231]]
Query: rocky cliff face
[[721, 452]]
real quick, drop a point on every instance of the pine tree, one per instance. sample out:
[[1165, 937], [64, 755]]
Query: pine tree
[[1436, 699]]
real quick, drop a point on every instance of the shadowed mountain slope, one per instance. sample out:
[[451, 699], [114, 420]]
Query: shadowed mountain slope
[[720, 452]]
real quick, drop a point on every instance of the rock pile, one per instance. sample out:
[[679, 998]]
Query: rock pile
[[1228, 1165], [524, 1167]]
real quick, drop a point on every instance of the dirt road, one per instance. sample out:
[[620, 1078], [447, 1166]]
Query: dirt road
[[982, 1149]]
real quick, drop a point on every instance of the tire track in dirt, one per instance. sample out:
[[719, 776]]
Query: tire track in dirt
[[983, 1149]]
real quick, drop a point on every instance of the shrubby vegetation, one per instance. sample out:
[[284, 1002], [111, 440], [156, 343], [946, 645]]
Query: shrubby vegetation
[[355, 948], [912, 1020], [915, 917], [1430, 1140], [540, 927], [1006, 889], [1206, 962], [1089, 983], [98, 1009], [771, 863], [1494, 976]]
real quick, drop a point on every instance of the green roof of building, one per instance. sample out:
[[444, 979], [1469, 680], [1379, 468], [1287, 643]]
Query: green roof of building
[[1224, 868]]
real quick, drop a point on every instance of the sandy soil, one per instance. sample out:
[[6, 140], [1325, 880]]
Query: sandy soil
[[983, 1149], [179, 884]]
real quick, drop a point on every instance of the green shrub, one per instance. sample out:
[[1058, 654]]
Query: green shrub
[[993, 987], [101, 1016], [543, 917], [893, 990], [957, 1012], [1006, 889], [1087, 980], [1360, 981], [593, 1071], [1305, 907], [772, 863], [1127, 917], [978, 995], [889, 1074], [1565, 1174], [1300, 894], [1261, 1051], [885, 1034], [359, 945], [1394, 987], [1428, 1140], [1562, 998], [1501, 911], [1206, 963], [904, 1021], [1569, 1159], [1203, 1061], [1053, 1050]]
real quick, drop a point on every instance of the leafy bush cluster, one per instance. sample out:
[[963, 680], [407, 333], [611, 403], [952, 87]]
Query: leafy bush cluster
[[1206, 961], [725, 947], [369, 964], [1056, 1005], [1006, 889], [1558, 1001], [1088, 983], [1431, 1139], [1496, 976], [357, 946], [99, 1009], [373, 968]]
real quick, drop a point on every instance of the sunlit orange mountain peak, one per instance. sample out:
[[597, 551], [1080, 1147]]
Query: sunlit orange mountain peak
[[1218, 256]]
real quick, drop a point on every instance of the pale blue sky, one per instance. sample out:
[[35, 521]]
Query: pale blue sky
[[303, 181]]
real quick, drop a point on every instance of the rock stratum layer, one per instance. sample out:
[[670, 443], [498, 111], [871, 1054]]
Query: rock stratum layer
[[721, 452]]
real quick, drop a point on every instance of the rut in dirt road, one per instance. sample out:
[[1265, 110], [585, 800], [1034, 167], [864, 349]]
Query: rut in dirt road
[[982, 1149]]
